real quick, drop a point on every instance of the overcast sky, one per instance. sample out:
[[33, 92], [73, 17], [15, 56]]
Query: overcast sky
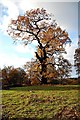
[[65, 14]]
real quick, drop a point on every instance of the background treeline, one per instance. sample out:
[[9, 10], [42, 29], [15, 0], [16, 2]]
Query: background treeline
[[11, 77], [16, 77]]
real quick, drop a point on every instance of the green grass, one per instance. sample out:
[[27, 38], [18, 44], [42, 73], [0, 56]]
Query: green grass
[[39, 101]]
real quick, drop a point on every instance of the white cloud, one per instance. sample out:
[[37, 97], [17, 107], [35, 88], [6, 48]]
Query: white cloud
[[14, 60], [25, 49], [70, 56], [13, 10], [70, 53], [34, 43], [27, 5]]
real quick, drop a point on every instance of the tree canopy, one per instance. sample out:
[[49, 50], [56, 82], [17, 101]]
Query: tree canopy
[[38, 25]]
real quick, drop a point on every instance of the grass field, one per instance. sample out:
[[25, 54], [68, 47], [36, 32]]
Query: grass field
[[41, 102]]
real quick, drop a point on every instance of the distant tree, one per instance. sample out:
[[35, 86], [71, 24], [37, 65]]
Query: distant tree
[[5, 76], [77, 61], [38, 25], [63, 67], [12, 76], [17, 76]]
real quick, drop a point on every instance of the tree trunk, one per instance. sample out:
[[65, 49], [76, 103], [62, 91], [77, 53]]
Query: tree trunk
[[43, 80], [42, 60], [43, 73]]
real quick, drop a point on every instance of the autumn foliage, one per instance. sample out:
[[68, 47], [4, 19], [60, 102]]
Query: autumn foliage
[[12, 77], [38, 25], [77, 61]]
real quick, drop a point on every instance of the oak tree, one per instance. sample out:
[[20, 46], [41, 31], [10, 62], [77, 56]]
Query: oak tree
[[38, 25]]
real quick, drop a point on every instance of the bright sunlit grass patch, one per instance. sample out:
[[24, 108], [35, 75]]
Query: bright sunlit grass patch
[[39, 101]]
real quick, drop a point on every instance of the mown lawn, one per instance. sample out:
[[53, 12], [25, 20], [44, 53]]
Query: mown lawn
[[41, 102]]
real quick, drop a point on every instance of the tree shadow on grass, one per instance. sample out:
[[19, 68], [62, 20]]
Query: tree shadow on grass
[[47, 88], [22, 119]]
